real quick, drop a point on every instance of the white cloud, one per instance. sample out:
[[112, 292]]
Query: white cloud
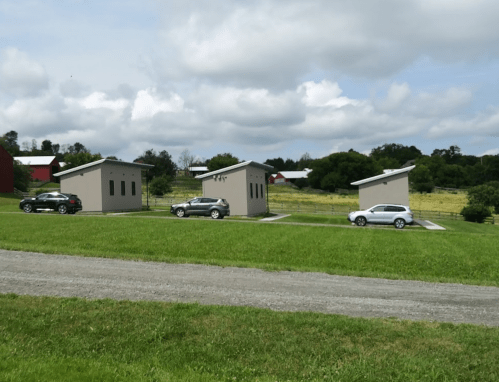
[[247, 107], [21, 76], [148, 103], [324, 94], [98, 100], [490, 152], [272, 43]]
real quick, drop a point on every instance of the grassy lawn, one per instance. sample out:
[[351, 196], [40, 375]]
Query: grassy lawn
[[466, 253], [9, 202], [70, 339]]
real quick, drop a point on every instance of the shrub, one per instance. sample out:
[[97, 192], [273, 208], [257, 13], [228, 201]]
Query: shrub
[[301, 183], [160, 185], [41, 191], [476, 213]]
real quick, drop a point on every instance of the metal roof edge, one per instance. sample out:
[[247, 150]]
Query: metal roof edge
[[111, 161], [233, 167], [382, 176]]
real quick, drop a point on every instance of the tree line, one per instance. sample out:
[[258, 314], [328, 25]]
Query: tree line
[[445, 168]]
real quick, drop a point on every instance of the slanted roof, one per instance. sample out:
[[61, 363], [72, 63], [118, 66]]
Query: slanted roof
[[236, 166], [382, 176], [294, 174], [91, 164], [36, 161]]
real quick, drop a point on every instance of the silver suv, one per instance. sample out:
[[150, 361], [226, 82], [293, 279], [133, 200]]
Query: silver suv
[[395, 214], [217, 208]]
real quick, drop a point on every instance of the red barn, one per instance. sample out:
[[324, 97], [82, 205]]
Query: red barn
[[43, 167], [6, 171]]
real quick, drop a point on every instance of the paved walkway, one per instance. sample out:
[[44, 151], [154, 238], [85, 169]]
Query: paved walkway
[[276, 217], [429, 225]]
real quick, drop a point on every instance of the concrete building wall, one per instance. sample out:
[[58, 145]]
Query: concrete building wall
[[93, 187], [230, 185], [393, 189], [255, 191], [85, 183], [244, 189], [121, 173]]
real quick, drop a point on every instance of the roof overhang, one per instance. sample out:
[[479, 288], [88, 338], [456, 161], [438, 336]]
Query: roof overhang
[[236, 166], [382, 176], [142, 166]]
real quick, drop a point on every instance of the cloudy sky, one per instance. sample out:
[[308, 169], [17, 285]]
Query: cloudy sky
[[257, 78]]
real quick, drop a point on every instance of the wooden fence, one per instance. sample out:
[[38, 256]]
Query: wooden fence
[[320, 209]]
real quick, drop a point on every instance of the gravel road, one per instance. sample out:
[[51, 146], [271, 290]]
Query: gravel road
[[57, 275]]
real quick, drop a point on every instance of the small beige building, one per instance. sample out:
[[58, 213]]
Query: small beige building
[[390, 187], [242, 185], [105, 185]]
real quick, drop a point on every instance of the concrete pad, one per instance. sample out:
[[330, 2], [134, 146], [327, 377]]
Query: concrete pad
[[278, 216], [429, 225]]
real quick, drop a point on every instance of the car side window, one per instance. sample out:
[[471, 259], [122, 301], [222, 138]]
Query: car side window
[[43, 196], [401, 209], [378, 209], [391, 209]]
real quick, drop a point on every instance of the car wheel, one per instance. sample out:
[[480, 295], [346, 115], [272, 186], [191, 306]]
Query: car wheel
[[361, 221], [28, 208], [62, 209], [215, 214], [399, 223], [180, 213]]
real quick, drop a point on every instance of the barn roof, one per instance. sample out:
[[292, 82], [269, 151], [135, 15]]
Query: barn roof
[[382, 176], [295, 174], [36, 161]]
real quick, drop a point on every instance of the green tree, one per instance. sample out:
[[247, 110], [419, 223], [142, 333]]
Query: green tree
[[388, 163], [161, 185], [304, 162], [396, 151], [47, 146], [79, 159], [221, 161], [163, 164], [9, 143], [486, 194], [481, 199], [340, 169], [22, 176], [421, 179]]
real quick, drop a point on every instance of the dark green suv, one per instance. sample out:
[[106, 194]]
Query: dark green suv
[[217, 208]]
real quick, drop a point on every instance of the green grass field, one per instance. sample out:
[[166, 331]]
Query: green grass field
[[70, 339], [466, 253], [61, 339]]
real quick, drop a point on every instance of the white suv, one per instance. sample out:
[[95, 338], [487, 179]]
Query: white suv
[[395, 214]]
